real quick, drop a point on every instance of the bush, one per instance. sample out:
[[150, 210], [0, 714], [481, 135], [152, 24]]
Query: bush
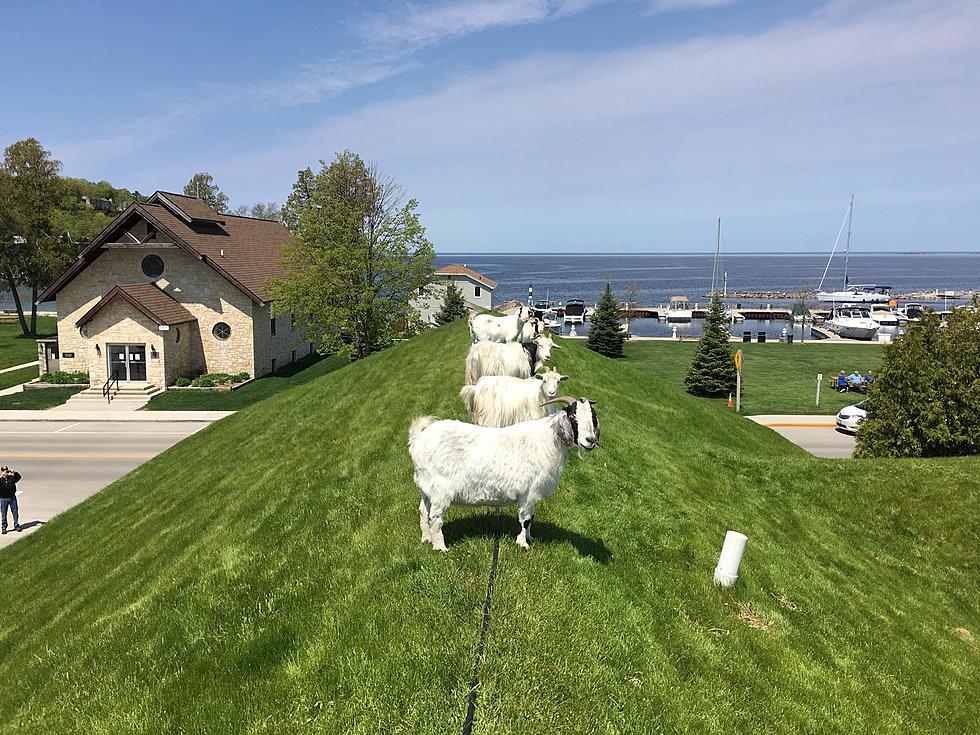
[[63, 378], [209, 380], [240, 377], [925, 400], [182, 382], [712, 373], [453, 305], [605, 335]]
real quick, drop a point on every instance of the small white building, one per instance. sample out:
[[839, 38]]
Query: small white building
[[477, 291]]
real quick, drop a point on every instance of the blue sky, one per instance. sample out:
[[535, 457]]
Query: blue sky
[[533, 125]]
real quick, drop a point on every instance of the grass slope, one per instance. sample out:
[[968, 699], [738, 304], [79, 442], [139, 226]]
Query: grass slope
[[36, 400], [16, 377], [15, 348], [265, 575], [776, 378]]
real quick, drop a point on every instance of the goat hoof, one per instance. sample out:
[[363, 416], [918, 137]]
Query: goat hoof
[[523, 544]]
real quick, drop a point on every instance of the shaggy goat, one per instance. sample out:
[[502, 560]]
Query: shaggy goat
[[510, 358], [498, 400], [488, 328], [462, 464]]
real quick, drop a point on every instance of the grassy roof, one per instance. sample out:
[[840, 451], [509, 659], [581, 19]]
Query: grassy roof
[[266, 575]]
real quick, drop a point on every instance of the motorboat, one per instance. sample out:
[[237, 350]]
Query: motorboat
[[867, 293], [545, 311], [910, 311], [884, 317], [574, 311], [679, 309], [853, 322]]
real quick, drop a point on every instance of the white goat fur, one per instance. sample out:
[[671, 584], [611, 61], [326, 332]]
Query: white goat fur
[[462, 464], [510, 358], [489, 328], [498, 400]]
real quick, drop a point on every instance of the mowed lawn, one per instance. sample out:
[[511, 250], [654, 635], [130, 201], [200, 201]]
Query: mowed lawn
[[36, 400], [15, 348], [16, 377], [776, 378], [300, 372], [265, 575]]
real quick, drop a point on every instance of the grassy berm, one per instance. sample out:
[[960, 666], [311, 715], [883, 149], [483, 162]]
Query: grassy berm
[[266, 576]]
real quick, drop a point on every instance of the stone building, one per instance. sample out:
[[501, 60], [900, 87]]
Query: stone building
[[172, 288], [477, 291]]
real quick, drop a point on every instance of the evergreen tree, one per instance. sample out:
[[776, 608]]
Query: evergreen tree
[[453, 305], [605, 336], [925, 399], [712, 371]]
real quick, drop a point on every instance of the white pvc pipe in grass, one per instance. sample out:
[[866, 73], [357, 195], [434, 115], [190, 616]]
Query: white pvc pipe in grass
[[731, 556]]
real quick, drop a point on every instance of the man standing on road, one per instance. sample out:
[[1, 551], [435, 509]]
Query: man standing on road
[[8, 496]]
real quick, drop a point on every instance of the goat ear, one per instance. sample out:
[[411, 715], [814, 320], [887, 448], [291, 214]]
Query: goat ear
[[563, 428], [563, 377]]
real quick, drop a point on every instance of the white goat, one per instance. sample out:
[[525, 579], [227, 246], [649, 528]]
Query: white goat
[[489, 328], [532, 328], [510, 358], [462, 464], [498, 400]]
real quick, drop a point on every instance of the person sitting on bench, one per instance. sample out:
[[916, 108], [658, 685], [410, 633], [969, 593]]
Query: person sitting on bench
[[856, 382], [842, 382]]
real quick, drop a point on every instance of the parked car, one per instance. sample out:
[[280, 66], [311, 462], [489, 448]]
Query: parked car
[[850, 417]]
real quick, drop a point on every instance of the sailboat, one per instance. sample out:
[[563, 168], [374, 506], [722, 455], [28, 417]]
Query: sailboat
[[866, 293]]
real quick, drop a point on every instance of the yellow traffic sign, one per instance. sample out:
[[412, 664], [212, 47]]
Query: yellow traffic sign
[[738, 360]]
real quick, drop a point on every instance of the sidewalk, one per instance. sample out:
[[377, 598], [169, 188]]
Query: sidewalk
[[18, 367], [115, 417]]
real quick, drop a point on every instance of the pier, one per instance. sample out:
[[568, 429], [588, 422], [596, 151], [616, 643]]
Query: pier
[[760, 313]]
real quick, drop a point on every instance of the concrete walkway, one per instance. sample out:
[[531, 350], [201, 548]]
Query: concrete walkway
[[65, 460], [816, 434], [18, 367]]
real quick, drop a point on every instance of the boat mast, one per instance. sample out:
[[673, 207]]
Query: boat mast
[[840, 232], [714, 267], [847, 245]]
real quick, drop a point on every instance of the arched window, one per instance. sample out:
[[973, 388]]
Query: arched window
[[221, 331], [152, 266], [176, 335]]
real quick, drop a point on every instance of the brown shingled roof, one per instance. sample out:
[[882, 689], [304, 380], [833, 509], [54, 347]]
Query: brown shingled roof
[[244, 250], [455, 269], [146, 298]]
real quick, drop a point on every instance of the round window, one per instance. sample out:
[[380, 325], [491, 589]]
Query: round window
[[83, 331], [152, 266], [221, 331]]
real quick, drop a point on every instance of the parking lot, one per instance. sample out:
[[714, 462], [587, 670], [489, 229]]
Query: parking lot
[[64, 462]]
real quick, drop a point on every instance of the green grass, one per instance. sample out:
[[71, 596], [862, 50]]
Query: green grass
[[35, 400], [300, 372], [16, 377], [265, 575], [776, 378], [15, 348]]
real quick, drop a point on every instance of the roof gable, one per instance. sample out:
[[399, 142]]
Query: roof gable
[[148, 299], [190, 209], [456, 269]]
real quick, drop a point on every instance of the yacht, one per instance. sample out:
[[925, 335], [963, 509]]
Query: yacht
[[575, 311], [679, 309], [853, 322], [545, 311], [868, 293], [884, 317]]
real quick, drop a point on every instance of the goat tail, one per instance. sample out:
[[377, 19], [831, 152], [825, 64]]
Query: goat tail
[[418, 426], [466, 393]]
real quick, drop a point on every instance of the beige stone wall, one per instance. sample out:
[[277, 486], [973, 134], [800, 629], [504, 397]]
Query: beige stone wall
[[279, 347], [120, 323], [204, 293]]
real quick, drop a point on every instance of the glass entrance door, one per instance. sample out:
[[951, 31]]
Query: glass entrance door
[[127, 362]]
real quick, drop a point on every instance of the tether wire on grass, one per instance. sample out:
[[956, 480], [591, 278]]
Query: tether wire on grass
[[484, 627]]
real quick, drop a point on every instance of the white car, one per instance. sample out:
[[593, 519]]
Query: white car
[[850, 417]]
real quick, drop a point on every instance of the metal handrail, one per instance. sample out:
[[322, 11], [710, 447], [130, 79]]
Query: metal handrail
[[107, 387]]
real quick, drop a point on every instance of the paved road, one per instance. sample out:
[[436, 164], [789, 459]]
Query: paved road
[[64, 462], [816, 434]]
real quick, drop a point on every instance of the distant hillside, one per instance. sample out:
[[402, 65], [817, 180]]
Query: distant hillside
[[266, 576]]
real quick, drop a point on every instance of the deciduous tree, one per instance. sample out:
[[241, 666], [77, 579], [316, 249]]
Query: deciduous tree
[[357, 257], [32, 253], [260, 210], [605, 335]]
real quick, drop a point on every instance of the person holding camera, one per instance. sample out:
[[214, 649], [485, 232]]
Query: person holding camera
[[8, 496]]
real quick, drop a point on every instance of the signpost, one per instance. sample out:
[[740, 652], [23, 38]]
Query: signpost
[[738, 381], [819, 381]]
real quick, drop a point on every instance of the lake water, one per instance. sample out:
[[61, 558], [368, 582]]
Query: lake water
[[658, 277]]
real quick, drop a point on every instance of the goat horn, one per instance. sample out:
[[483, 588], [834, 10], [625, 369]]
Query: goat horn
[[560, 399]]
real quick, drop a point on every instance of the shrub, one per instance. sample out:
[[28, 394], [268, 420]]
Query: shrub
[[209, 380], [182, 382], [453, 306], [605, 335], [712, 371], [240, 377], [63, 378], [925, 400]]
